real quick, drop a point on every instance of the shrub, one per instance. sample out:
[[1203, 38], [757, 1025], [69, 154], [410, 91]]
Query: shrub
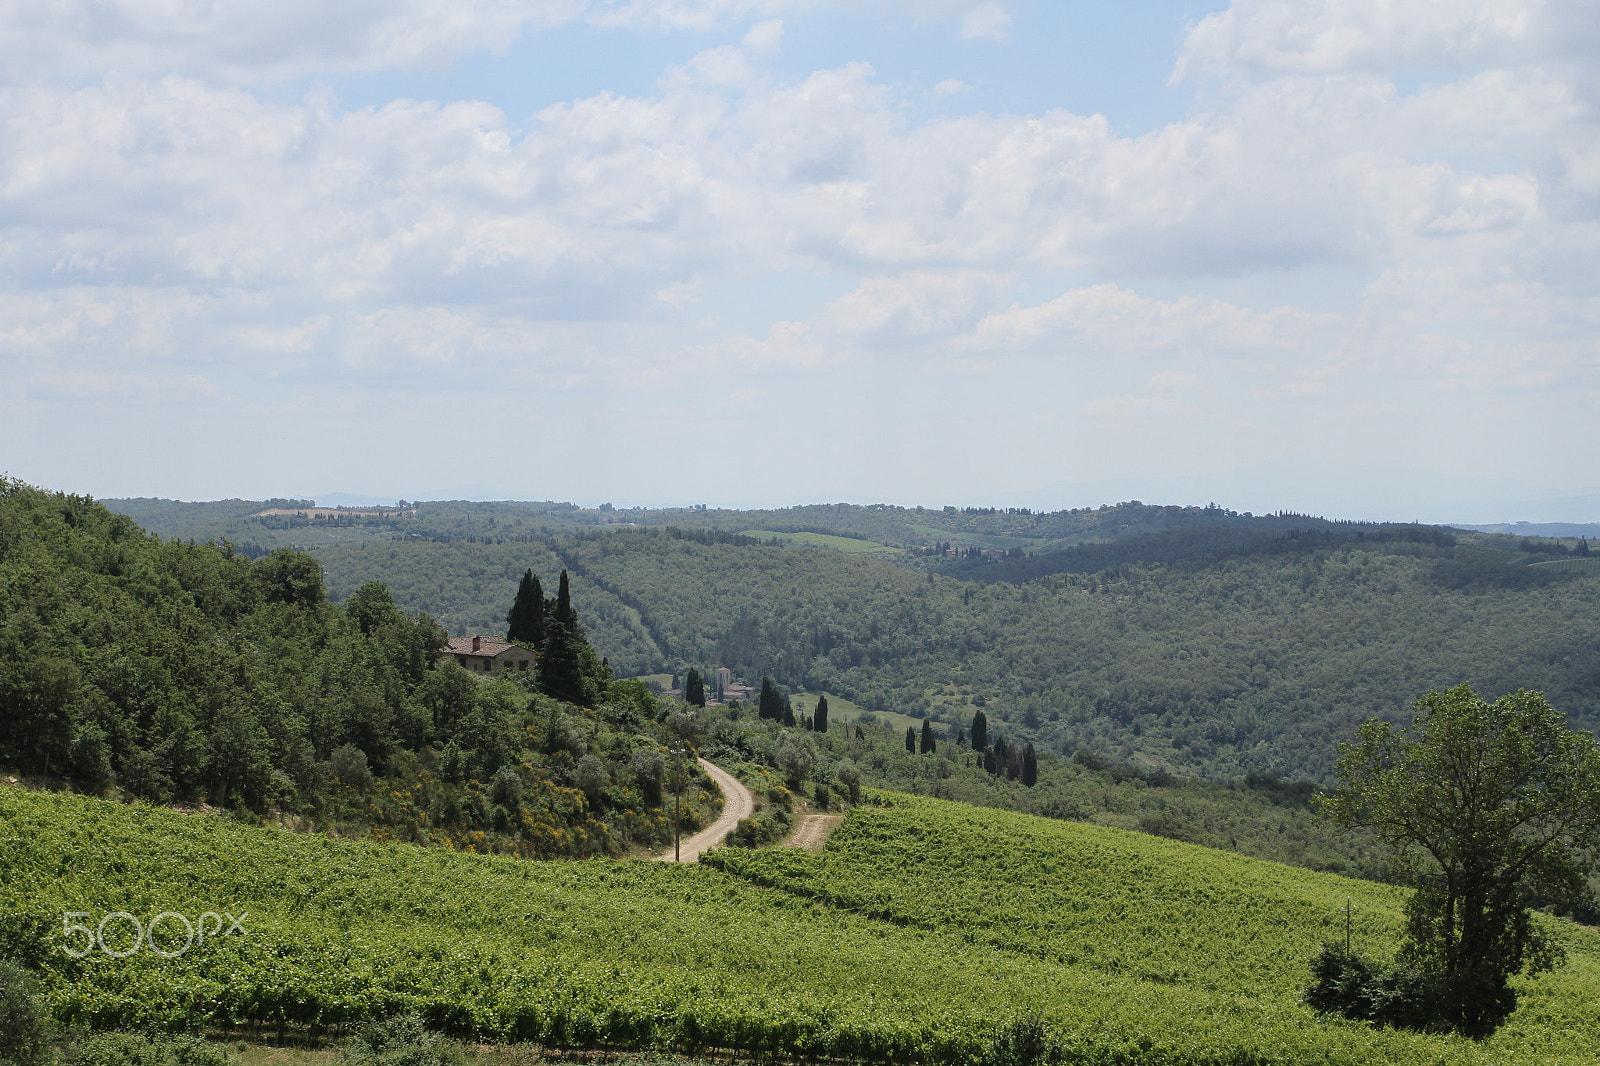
[[399, 1041], [24, 1024], [349, 765], [1360, 989], [141, 1049], [506, 788], [1022, 1043]]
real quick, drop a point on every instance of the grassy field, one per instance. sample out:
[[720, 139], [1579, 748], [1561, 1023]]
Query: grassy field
[[1585, 565], [852, 545], [921, 930], [842, 710]]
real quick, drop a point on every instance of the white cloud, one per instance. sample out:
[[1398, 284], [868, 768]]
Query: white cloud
[[1271, 37], [256, 41], [162, 227], [764, 36], [1106, 319], [987, 20]]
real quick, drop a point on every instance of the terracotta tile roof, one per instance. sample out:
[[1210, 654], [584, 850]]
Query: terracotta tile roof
[[486, 648]]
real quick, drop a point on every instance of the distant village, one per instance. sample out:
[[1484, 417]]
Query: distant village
[[727, 690]]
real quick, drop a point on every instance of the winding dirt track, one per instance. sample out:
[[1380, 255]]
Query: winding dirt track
[[737, 803], [812, 832]]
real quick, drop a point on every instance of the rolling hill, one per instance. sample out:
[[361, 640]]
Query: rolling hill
[[922, 931]]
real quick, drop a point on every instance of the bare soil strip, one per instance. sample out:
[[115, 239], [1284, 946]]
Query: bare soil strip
[[737, 803], [812, 832]]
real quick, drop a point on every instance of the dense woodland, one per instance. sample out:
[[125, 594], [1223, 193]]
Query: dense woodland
[[175, 672], [185, 673], [1259, 660], [1256, 658]]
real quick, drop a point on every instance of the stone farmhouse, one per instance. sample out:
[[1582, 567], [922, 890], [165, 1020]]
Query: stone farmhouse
[[487, 656]]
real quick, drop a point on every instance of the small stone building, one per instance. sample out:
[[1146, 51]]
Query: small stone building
[[484, 656]]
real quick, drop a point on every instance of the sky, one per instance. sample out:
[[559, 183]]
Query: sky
[[1336, 256]]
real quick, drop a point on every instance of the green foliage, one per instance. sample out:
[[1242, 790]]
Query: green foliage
[[770, 704], [1356, 987], [525, 621], [141, 1049], [1125, 947], [1022, 1043], [823, 540], [1485, 807], [403, 1040], [25, 1026], [184, 673], [1251, 663]]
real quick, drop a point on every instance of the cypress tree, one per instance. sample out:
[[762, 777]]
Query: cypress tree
[[564, 603], [694, 689], [961, 737], [911, 740], [788, 713], [771, 705], [525, 623], [859, 734], [1030, 767], [989, 760], [569, 669], [980, 731], [929, 745], [560, 667], [819, 717]]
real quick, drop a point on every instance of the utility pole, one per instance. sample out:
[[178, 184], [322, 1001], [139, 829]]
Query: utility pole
[[677, 805]]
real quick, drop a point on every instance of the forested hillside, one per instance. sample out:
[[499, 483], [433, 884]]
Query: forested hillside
[[1192, 639], [1255, 661], [186, 673], [973, 528]]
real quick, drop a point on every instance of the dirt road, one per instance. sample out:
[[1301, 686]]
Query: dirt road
[[737, 803], [813, 830]]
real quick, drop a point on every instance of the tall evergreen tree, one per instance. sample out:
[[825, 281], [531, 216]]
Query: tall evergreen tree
[[929, 745], [525, 623], [771, 705], [561, 673], [980, 731], [819, 717], [788, 712], [564, 603], [1030, 767], [569, 669], [911, 740], [694, 689]]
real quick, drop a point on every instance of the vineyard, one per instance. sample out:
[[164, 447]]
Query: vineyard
[[922, 930]]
